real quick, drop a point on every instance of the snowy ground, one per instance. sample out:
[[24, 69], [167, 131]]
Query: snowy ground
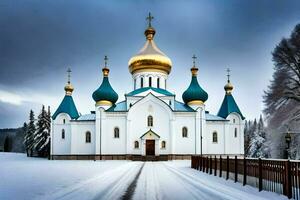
[[34, 178]]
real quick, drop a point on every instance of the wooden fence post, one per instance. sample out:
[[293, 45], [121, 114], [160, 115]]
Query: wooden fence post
[[245, 172], [215, 172], [200, 163], [288, 179], [227, 172], [260, 175], [221, 166], [235, 169], [207, 164]]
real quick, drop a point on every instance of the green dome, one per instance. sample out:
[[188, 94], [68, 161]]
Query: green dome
[[105, 92], [194, 92]]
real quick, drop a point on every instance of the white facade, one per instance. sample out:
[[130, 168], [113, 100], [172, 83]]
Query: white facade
[[150, 121]]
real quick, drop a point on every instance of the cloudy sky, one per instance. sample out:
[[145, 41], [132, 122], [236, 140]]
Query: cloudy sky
[[39, 40]]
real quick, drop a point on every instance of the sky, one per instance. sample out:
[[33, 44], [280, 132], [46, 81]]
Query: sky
[[39, 40]]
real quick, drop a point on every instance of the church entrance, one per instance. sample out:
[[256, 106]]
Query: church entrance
[[150, 147]]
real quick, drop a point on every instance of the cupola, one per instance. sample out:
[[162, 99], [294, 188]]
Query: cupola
[[105, 94], [194, 94], [150, 58]]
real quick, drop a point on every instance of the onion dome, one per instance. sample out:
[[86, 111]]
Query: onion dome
[[150, 57], [105, 94], [194, 95], [67, 105]]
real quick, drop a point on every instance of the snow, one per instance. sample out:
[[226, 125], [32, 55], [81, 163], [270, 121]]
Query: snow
[[35, 178]]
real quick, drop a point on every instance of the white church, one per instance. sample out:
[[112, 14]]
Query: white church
[[150, 124]]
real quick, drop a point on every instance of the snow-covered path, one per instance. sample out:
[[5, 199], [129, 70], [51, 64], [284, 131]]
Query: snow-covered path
[[176, 180], [32, 178]]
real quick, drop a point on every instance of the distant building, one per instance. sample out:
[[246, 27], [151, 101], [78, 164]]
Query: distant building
[[11, 140], [150, 121]]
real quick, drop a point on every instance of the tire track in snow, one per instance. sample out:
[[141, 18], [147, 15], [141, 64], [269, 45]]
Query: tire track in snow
[[131, 188]]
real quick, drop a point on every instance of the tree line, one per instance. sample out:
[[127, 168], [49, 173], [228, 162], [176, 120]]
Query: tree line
[[37, 134]]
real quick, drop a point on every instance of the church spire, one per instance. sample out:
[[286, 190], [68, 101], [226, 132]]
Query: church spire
[[194, 69], [150, 31], [228, 87], [69, 87], [105, 69]]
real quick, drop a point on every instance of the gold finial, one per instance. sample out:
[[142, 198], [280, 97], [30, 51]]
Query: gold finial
[[149, 19], [150, 31], [194, 69], [105, 69], [228, 87], [69, 88]]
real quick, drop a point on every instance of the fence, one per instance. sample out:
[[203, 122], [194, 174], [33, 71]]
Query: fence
[[280, 176]]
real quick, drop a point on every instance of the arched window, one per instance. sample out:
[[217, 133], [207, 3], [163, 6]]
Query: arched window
[[63, 134], [233, 120], [163, 144], [150, 120], [158, 82], [88, 137], [150, 81], [136, 145], [134, 83], [215, 137], [184, 132], [64, 121], [165, 83], [116, 132], [142, 82], [235, 132]]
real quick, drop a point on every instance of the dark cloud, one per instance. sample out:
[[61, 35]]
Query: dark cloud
[[40, 39]]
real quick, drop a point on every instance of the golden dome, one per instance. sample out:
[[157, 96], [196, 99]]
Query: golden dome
[[69, 89], [228, 87], [150, 58]]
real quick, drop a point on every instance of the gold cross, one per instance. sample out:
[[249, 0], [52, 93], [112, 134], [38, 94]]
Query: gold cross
[[149, 19], [228, 74], [194, 60], [105, 61], [69, 74]]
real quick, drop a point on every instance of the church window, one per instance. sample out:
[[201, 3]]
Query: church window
[[184, 132], [142, 82], [215, 137], [235, 132], [130, 105], [233, 120], [163, 144], [150, 81], [150, 120], [170, 102], [64, 121], [116, 132], [136, 145], [63, 134], [134, 83], [165, 84], [88, 137], [158, 82]]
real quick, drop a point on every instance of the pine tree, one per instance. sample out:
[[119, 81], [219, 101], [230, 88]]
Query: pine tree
[[42, 137], [29, 136], [25, 132]]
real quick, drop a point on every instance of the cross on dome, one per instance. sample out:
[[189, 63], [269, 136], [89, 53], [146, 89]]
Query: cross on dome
[[105, 61], [228, 75], [149, 19], [69, 74], [194, 60]]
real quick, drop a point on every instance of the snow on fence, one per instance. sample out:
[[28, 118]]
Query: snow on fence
[[280, 176]]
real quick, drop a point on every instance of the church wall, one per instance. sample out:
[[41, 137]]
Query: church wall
[[215, 147], [184, 145], [137, 124], [110, 144], [79, 144], [234, 144], [59, 145]]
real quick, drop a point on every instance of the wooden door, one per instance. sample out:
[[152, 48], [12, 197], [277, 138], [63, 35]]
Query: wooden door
[[150, 147]]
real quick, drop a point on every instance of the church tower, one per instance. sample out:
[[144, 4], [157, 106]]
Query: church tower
[[150, 67]]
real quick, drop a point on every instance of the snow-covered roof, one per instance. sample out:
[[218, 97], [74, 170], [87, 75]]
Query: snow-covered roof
[[210, 117], [119, 107], [181, 107], [87, 117]]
